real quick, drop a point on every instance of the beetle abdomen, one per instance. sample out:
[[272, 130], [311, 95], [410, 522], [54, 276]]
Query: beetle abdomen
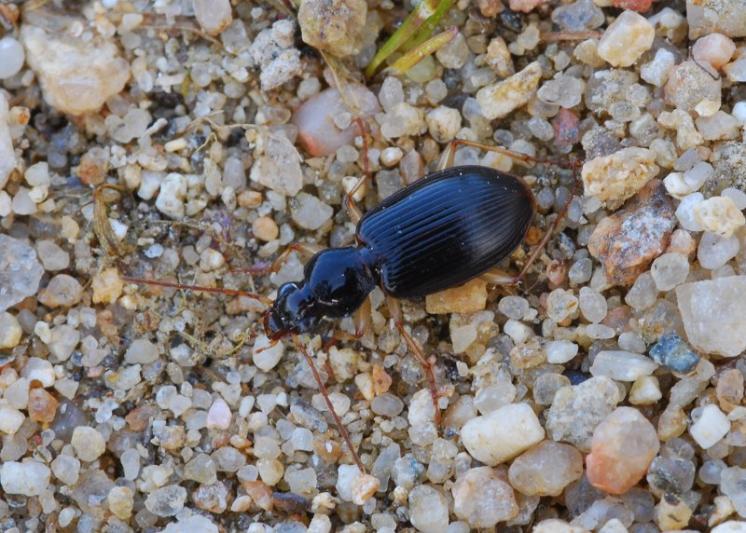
[[446, 229]]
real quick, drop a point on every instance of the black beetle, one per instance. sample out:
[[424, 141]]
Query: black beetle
[[439, 232]]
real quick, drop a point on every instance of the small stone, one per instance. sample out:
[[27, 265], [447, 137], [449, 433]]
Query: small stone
[[428, 509], [88, 443], [335, 26], [318, 133], [265, 354], [42, 406], [77, 76], [622, 366], [277, 165], [627, 241], [467, 298], [719, 215], [213, 15], [23, 204], [66, 468], [672, 514], [730, 389], [685, 212], [525, 6], [708, 16], [482, 499], [10, 419], [561, 305], [690, 88], [443, 123], [166, 501], [502, 434], [107, 286], [500, 99], [669, 270], [626, 39], [672, 352], [623, 447], [171, 197], [10, 331], [52, 256], [121, 501], [454, 54], [732, 480], [657, 71], [731, 526], [564, 91], [7, 154], [578, 409], [615, 178], [265, 229], [401, 121], [546, 469], [309, 212], [40, 370], [141, 351], [515, 307], [29, 478], [560, 352], [62, 291], [12, 58], [715, 49], [714, 314], [710, 427], [195, 523], [212, 498], [714, 252], [202, 469], [645, 391], [20, 271], [219, 415], [593, 305], [363, 488], [210, 260]]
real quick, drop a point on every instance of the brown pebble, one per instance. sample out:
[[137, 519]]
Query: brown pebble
[[265, 229], [729, 389], [467, 298], [381, 380], [249, 199], [628, 241], [42, 406], [260, 493]]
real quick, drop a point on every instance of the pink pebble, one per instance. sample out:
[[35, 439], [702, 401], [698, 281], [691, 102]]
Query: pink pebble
[[623, 447], [715, 49], [566, 131], [219, 415], [317, 132], [641, 6]]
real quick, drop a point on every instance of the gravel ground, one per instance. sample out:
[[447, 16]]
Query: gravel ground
[[190, 140]]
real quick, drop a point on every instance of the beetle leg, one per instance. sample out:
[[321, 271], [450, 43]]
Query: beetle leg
[[304, 249], [362, 319], [427, 364], [450, 153], [325, 393], [353, 210], [183, 286]]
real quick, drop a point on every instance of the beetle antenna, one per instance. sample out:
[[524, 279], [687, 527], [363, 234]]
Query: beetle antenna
[[218, 290], [325, 393]]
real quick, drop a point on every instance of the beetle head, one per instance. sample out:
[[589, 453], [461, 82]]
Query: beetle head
[[293, 312]]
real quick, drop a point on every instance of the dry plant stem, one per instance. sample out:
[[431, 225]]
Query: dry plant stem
[[424, 33], [101, 225], [182, 286], [414, 56], [325, 393], [424, 11], [427, 364]]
